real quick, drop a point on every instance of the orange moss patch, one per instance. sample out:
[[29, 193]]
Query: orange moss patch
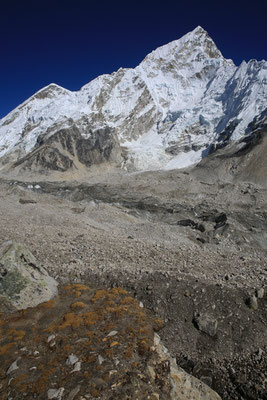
[[76, 288], [90, 318], [87, 374], [72, 320], [78, 304], [127, 300], [23, 388], [91, 359], [95, 393], [16, 335], [5, 349], [158, 324], [99, 295], [19, 379], [128, 352], [135, 364], [109, 353], [118, 291]]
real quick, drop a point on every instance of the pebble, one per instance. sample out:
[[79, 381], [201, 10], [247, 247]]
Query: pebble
[[259, 354], [260, 293], [100, 360], [55, 393], [74, 392], [13, 366], [112, 333], [51, 337], [253, 303], [72, 359], [77, 367], [206, 323]]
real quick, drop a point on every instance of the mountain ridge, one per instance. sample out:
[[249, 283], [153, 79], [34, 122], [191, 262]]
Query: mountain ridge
[[166, 113]]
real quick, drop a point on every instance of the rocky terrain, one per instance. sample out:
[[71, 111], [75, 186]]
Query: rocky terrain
[[90, 186], [87, 344], [192, 251]]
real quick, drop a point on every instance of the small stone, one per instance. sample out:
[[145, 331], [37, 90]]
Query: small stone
[[187, 293], [253, 303], [55, 393], [260, 293], [207, 380], [259, 354], [72, 359], [13, 366], [74, 392], [100, 360], [77, 367], [206, 324], [141, 305], [156, 339], [27, 201], [151, 372], [23, 349], [112, 333], [51, 337]]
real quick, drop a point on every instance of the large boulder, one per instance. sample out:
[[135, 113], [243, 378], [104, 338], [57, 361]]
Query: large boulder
[[22, 282]]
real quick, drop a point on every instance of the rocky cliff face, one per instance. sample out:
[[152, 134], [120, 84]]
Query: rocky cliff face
[[166, 112]]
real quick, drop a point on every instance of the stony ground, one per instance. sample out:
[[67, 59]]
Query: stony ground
[[191, 251]]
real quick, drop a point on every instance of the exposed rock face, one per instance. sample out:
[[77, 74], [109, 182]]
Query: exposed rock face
[[244, 160], [89, 343], [184, 386], [69, 148], [166, 112], [22, 282]]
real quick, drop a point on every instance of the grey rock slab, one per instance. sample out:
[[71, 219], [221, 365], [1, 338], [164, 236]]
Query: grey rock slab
[[184, 386], [23, 283]]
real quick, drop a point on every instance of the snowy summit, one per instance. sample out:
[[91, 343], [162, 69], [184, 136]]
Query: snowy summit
[[165, 113]]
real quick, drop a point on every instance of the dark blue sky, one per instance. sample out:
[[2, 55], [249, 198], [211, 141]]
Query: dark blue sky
[[72, 42]]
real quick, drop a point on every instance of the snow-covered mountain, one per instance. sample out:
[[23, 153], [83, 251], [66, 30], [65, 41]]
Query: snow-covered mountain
[[183, 99]]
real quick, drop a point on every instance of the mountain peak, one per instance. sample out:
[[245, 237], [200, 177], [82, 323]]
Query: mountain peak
[[199, 29], [167, 111]]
